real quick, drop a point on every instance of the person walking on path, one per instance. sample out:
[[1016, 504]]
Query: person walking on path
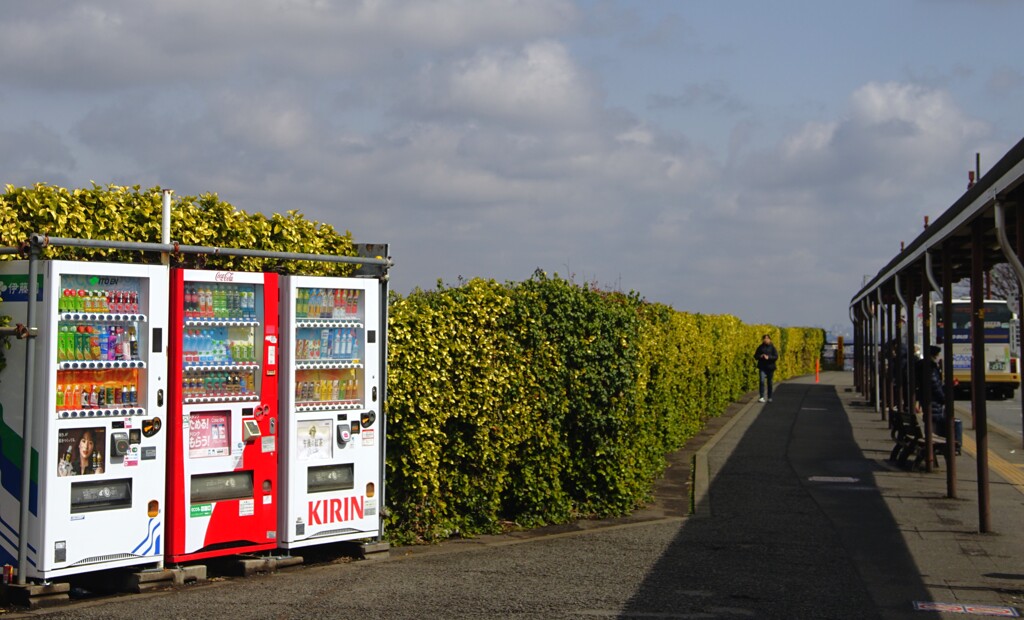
[[766, 355]]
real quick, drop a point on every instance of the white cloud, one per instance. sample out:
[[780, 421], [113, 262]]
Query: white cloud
[[95, 46], [537, 84]]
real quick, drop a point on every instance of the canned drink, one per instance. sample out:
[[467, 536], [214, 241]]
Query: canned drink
[[8, 573]]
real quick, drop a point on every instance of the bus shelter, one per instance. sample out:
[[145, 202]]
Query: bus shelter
[[983, 228]]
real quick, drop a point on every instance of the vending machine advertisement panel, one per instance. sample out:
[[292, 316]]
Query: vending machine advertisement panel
[[331, 440], [223, 426], [99, 389]]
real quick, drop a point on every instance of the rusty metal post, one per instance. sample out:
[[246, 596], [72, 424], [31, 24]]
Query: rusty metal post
[[978, 370], [947, 360], [1020, 318], [926, 366]]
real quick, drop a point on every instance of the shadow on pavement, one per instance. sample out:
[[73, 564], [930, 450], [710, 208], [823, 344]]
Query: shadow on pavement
[[798, 528]]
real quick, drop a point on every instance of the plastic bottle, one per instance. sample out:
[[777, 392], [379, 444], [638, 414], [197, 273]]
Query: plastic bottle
[[133, 344], [111, 344], [94, 343], [125, 352], [104, 342]]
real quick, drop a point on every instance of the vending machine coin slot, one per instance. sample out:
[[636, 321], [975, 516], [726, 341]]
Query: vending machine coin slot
[[151, 427], [367, 418]]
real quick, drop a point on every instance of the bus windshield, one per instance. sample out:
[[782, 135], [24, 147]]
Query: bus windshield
[[997, 321]]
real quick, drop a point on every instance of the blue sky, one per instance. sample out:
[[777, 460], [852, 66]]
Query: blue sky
[[741, 157]]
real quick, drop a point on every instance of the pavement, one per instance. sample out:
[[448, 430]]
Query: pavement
[[787, 509]]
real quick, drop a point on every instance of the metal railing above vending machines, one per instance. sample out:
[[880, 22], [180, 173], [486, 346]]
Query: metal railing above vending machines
[[34, 246]]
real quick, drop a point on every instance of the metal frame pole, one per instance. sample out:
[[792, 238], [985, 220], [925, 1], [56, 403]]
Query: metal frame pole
[[27, 426], [926, 365], [978, 388], [947, 360]]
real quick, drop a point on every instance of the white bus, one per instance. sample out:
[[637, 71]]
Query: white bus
[[1002, 374]]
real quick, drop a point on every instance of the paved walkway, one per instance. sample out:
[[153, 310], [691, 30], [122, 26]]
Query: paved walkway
[[798, 514]]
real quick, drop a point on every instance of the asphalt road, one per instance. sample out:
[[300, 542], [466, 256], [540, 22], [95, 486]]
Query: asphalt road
[[1006, 414]]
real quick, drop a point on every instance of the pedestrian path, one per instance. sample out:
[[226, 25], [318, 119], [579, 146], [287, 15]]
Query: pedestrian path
[[909, 542]]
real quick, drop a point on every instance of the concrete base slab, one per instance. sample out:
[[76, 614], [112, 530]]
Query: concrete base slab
[[268, 564], [189, 574], [144, 581], [34, 596], [374, 550]]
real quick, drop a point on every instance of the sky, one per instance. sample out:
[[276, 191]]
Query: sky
[[739, 157]]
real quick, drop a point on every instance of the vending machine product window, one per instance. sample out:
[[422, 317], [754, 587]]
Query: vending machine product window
[[101, 346]]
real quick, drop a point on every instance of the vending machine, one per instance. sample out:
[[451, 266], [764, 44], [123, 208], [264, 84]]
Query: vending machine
[[99, 389], [331, 393], [223, 419]]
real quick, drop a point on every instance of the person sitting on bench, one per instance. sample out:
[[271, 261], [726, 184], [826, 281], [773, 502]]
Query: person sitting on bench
[[930, 376]]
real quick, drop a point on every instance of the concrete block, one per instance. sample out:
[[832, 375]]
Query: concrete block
[[189, 574], [373, 550], [268, 564], [35, 596]]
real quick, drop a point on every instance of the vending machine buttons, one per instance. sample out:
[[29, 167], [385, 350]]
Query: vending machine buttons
[[343, 435]]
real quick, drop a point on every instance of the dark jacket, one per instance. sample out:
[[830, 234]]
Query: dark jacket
[[767, 365], [929, 377]]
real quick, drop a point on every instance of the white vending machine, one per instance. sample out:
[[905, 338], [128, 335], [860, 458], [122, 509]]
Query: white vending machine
[[331, 394], [99, 386]]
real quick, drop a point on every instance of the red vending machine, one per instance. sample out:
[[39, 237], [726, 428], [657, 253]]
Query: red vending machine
[[223, 416]]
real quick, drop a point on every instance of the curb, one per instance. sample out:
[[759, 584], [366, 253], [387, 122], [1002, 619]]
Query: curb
[[700, 506]]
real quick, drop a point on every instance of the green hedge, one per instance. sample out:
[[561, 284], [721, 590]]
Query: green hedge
[[523, 404], [130, 213], [516, 404]]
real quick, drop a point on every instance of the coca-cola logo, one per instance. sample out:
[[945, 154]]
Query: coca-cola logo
[[224, 276]]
